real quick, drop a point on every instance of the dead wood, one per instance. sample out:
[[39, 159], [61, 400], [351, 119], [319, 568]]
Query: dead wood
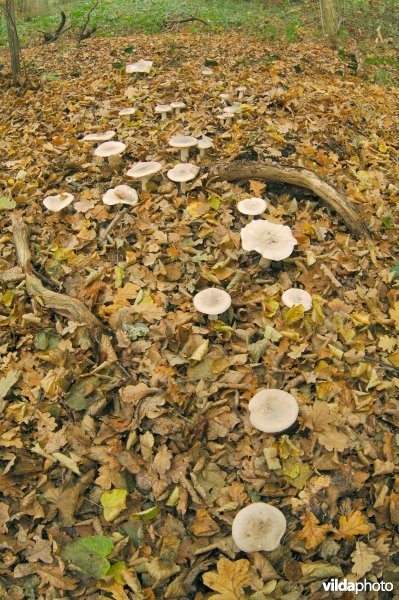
[[64, 305], [52, 36], [299, 177], [170, 22]]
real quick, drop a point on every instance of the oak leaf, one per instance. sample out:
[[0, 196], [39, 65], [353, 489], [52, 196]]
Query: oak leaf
[[312, 532], [363, 559], [230, 579], [352, 525]]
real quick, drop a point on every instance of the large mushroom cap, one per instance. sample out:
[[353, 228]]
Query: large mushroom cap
[[258, 526], [296, 297], [212, 301], [99, 137], [163, 108], [121, 194], [141, 66], [182, 141], [252, 206], [273, 410], [110, 149], [144, 169], [178, 105], [271, 240], [58, 201], [183, 172]]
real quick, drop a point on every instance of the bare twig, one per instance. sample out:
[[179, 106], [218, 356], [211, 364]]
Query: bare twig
[[84, 32]]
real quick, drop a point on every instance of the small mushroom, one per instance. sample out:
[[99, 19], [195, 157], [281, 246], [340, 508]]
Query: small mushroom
[[252, 206], [203, 145], [296, 297], [183, 143], [99, 137], [58, 201], [141, 66], [127, 112], [258, 526], [178, 106], [207, 71], [121, 194], [241, 90], [112, 151], [224, 97], [143, 171], [212, 302], [163, 110], [273, 241], [182, 173], [273, 410]]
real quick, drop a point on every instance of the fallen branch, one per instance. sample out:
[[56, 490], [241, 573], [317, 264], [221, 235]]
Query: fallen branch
[[64, 305], [169, 22], [84, 32], [52, 36], [299, 177]]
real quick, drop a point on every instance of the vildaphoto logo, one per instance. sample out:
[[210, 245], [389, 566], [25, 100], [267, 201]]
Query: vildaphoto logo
[[343, 585]]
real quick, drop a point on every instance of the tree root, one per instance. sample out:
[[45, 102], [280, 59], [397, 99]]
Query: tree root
[[299, 177], [64, 305]]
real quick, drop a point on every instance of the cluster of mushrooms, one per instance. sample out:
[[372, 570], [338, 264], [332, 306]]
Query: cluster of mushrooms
[[259, 526]]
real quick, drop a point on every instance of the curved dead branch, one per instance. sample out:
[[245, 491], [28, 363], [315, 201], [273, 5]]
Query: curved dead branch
[[299, 177]]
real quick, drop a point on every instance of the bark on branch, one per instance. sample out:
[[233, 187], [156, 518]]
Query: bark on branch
[[299, 177], [64, 305]]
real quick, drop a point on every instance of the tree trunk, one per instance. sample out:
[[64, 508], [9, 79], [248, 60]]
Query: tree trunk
[[13, 39], [329, 20]]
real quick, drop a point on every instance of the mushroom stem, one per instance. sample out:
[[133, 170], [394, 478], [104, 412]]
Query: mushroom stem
[[265, 263], [163, 116], [183, 187], [202, 152], [144, 182], [184, 154], [213, 317]]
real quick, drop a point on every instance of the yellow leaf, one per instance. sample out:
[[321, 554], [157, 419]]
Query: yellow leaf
[[363, 559], [394, 359], [200, 352], [197, 209], [312, 532], [294, 314], [230, 579], [114, 502], [353, 524]]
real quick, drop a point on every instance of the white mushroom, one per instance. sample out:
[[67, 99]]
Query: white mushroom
[[224, 97], [182, 173], [258, 526], [143, 171], [184, 143], [121, 194], [212, 302], [272, 240], [58, 201], [273, 410], [178, 106], [252, 206], [112, 151], [141, 66], [99, 137], [127, 112], [203, 145], [296, 297], [163, 110], [241, 91], [207, 71]]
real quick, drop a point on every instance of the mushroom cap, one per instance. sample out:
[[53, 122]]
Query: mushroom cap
[[58, 201], [110, 149], [295, 297], [141, 66], [232, 110], [183, 172], [258, 526], [212, 301], [252, 206], [241, 88], [204, 143], [182, 141], [273, 410], [127, 111], [178, 104], [224, 96], [144, 169], [162, 108], [99, 137], [121, 194], [272, 240], [207, 71]]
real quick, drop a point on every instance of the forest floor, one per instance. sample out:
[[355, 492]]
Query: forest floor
[[126, 455]]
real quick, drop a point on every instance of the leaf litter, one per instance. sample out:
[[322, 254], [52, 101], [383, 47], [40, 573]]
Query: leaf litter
[[125, 481]]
